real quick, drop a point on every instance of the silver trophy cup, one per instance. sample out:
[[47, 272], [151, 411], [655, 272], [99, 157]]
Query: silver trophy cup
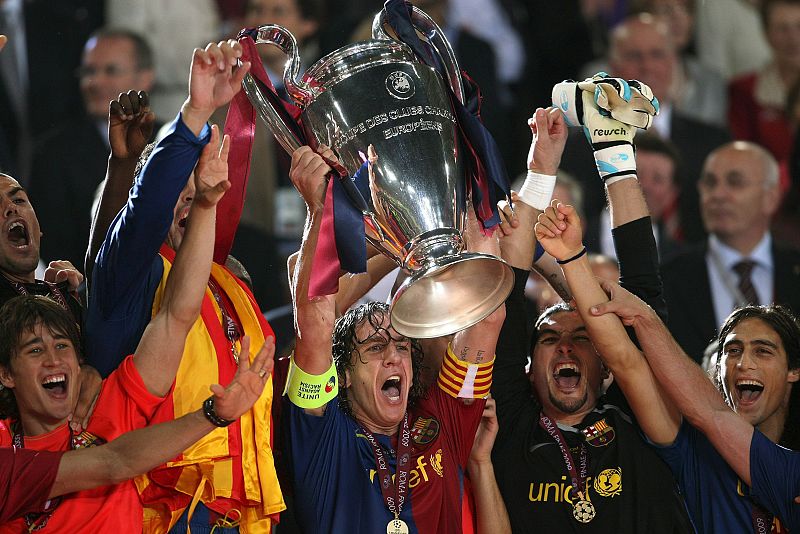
[[377, 93]]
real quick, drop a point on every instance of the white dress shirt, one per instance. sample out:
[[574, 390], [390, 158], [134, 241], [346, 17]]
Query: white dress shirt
[[724, 281]]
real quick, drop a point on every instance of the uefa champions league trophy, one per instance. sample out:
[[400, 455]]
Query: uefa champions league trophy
[[378, 93]]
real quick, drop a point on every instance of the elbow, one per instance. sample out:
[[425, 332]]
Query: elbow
[[496, 319]]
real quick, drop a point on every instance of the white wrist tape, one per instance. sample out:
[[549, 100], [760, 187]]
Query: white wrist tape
[[615, 163], [537, 191]]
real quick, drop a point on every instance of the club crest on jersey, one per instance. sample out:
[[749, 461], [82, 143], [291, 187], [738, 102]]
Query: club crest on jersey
[[424, 430], [85, 439], [599, 434]]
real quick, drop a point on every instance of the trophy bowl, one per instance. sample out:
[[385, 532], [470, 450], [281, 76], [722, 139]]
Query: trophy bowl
[[377, 93]]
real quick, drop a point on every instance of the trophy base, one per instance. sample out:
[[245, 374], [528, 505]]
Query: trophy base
[[455, 293]]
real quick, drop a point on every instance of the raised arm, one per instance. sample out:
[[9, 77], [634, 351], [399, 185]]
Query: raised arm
[[559, 232], [139, 451], [686, 384], [161, 347], [477, 343], [141, 227], [314, 316], [510, 384], [130, 127]]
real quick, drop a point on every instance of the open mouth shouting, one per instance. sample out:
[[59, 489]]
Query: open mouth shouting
[[567, 376], [17, 235], [56, 385], [391, 389], [748, 391]]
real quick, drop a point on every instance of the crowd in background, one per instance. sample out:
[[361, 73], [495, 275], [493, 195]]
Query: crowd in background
[[725, 215]]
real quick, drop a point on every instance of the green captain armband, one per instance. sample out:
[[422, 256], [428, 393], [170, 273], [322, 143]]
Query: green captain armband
[[311, 391]]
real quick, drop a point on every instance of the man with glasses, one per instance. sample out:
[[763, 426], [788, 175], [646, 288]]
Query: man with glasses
[[70, 160], [739, 263]]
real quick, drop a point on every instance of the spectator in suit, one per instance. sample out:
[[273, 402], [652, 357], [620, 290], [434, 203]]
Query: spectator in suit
[[70, 160], [739, 263], [642, 49]]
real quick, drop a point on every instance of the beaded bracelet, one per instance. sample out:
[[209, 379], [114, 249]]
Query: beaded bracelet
[[211, 413]]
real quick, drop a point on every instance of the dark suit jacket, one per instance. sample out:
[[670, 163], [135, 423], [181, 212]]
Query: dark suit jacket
[[69, 163], [55, 33], [694, 141], [688, 293]]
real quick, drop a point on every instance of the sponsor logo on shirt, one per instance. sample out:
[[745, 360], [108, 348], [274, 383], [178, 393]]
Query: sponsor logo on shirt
[[331, 383], [423, 471], [436, 462], [608, 484]]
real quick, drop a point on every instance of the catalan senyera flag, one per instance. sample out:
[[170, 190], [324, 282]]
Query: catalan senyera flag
[[465, 380]]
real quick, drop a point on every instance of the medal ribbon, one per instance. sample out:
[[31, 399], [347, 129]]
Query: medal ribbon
[[578, 480], [762, 520], [231, 326], [393, 502], [38, 520]]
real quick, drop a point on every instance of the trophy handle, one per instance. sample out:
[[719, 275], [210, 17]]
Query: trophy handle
[[435, 36], [282, 38]]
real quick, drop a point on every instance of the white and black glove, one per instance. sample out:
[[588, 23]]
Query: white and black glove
[[609, 110]]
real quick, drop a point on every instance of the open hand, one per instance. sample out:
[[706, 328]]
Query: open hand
[[559, 231], [130, 124], [211, 175], [247, 386], [216, 76]]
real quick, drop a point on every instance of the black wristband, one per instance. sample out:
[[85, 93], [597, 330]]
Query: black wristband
[[211, 413], [575, 257]]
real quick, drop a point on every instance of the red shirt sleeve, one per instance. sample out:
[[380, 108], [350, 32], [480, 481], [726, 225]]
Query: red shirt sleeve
[[124, 403], [26, 478]]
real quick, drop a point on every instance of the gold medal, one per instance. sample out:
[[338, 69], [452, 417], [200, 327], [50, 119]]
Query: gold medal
[[583, 511], [397, 526]]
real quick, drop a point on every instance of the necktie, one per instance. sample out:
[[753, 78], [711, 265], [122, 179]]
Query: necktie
[[744, 269]]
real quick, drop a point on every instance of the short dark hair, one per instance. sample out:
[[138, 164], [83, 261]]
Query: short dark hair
[[141, 49], [652, 142], [20, 315], [787, 327], [558, 307], [344, 348]]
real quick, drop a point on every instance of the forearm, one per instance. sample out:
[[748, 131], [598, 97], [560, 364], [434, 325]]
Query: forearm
[[119, 179], [129, 455], [606, 331], [626, 202], [657, 416], [682, 380], [188, 278], [489, 506], [637, 254], [477, 343], [195, 118], [518, 248], [314, 316]]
